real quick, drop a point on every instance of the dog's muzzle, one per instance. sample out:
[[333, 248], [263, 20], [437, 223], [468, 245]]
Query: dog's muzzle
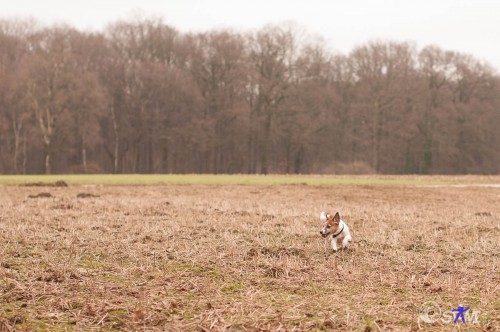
[[323, 234]]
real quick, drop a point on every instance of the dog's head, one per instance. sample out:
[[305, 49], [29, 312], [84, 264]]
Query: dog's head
[[331, 223]]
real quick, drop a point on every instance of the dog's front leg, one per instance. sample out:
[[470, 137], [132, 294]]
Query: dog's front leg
[[334, 244]]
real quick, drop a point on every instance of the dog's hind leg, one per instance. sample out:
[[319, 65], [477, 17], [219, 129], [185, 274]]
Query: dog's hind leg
[[346, 240]]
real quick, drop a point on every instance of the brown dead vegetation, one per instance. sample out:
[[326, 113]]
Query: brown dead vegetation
[[221, 257], [41, 195], [59, 183], [86, 195]]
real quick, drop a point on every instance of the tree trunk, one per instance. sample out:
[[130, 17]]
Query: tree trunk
[[48, 159], [24, 154], [48, 169], [376, 136], [117, 141], [84, 160], [164, 158], [267, 144], [17, 127], [150, 155], [84, 155]]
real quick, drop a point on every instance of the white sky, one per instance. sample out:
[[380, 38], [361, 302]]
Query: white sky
[[470, 26]]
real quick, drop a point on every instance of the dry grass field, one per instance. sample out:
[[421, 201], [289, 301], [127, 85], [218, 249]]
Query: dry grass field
[[217, 257]]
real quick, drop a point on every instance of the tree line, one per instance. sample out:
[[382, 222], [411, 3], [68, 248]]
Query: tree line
[[142, 97]]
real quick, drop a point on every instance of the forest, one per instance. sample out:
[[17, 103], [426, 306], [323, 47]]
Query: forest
[[142, 97]]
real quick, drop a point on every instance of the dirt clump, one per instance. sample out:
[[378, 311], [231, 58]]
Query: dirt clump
[[86, 195], [41, 195]]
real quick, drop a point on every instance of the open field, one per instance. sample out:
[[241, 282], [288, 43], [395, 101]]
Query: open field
[[247, 257], [243, 179]]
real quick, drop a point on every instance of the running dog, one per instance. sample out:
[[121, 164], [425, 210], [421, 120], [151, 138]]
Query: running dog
[[337, 228]]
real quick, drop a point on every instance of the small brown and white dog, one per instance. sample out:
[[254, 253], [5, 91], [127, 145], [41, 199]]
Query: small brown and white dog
[[337, 228]]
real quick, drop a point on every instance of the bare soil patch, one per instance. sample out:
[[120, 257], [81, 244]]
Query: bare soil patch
[[245, 258]]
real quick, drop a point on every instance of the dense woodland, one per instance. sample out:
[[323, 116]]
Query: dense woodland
[[142, 97]]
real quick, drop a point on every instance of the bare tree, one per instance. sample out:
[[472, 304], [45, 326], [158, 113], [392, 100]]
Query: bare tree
[[272, 52], [219, 67], [13, 48], [86, 97], [45, 77], [383, 72]]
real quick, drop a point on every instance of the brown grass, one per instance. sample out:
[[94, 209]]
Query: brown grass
[[245, 257]]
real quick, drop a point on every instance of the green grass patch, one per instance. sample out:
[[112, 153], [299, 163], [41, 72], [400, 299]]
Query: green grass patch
[[90, 264], [232, 287], [114, 279], [239, 179]]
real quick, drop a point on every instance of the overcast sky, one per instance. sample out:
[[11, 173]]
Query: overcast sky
[[470, 26]]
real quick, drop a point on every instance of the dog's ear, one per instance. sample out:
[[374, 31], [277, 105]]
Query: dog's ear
[[323, 216], [336, 218]]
